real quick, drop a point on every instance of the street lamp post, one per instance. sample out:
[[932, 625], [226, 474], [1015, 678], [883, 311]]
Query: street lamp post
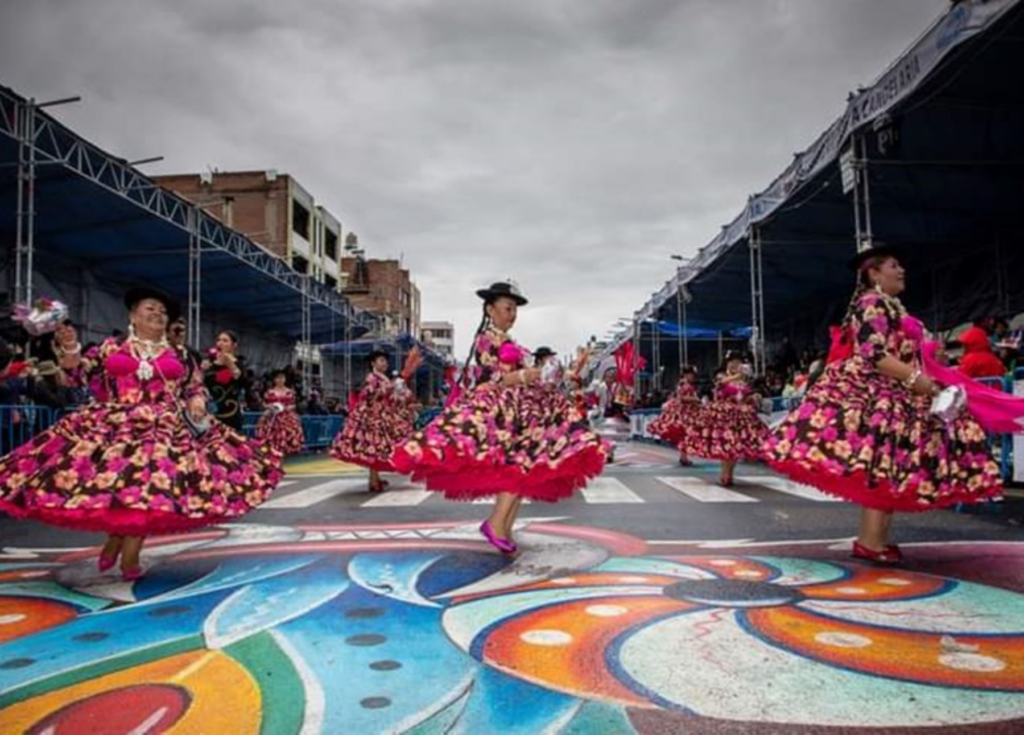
[[681, 299]]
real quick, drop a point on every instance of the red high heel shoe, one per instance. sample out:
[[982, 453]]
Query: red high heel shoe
[[106, 562], [131, 574], [888, 556]]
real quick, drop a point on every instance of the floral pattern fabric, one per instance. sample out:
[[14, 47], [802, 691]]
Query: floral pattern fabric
[[679, 415], [528, 440], [381, 419], [728, 429], [130, 465], [226, 391], [280, 426], [865, 437]]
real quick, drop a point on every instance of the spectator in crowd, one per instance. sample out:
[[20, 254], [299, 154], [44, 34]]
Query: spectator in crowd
[[9, 413], [979, 361], [313, 405], [49, 387], [797, 387], [177, 335], [295, 381]]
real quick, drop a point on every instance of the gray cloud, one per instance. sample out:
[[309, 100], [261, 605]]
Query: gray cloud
[[572, 144]]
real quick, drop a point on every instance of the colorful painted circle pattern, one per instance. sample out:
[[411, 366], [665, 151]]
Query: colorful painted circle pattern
[[816, 639], [245, 629]]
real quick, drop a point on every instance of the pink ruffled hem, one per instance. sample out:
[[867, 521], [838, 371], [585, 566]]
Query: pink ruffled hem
[[854, 488], [117, 521], [465, 478], [370, 463]]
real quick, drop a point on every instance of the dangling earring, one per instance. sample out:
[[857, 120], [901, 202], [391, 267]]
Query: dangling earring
[[131, 330], [878, 289]]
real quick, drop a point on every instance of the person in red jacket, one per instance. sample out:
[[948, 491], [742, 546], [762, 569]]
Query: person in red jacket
[[979, 361]]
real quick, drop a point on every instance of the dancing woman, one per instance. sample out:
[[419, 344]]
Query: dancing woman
[[510, 435], [728, 429], [865, 431], [280, 426], [135, 465], [224, 376], [382, 418], [680, 414]]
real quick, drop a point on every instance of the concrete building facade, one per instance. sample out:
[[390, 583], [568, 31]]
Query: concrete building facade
[[440, 336], [274, 211]]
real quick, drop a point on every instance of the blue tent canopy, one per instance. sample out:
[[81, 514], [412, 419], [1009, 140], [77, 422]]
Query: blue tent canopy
[[940, 131], [393, 346], [95, 212], [672, 331]]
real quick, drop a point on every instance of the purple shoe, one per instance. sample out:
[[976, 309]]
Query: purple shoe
[[503, 545]]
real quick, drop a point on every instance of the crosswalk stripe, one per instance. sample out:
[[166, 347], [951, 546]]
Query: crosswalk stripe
[[398, 499], [782, 485], [704, 492], [313, 495], [609, 490]]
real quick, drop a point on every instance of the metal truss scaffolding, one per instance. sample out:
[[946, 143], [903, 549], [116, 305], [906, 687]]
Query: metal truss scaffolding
[[44, 141]]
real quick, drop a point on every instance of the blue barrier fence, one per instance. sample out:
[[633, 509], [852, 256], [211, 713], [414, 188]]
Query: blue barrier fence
[[18, 424], [318, 430]]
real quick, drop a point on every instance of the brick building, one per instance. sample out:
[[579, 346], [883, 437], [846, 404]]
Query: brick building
[[274, 211], [383, 287]]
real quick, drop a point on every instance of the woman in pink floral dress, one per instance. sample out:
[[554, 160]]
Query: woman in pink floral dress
[[728, 429], [132, 466], [679, 415], [510, 436], [382, 418], [280, 426], [865, 431]]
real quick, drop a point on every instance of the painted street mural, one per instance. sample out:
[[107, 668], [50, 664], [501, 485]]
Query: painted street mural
[[420, 629]]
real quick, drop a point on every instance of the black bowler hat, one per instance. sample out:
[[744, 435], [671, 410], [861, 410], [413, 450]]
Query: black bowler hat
[[689, 370], [502, 288], [374, 354], [879, 250], [543, 353], [141, 293]]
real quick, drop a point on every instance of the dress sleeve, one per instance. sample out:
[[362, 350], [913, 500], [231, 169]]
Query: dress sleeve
[[373, 386], [876, 322], [194, 385], [486, 353]]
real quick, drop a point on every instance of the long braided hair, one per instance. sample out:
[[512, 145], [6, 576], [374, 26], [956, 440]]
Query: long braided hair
[[485, 322], [863, 286]]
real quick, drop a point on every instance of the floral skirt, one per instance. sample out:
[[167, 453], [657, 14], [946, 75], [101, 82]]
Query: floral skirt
[[726, 431], [371, 433], [282, 431], [676, 419], [530, 441], [864, 437], [135, 470]]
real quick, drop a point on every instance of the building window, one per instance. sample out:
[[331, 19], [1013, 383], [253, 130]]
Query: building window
[[300, 220], [331, 246], [300, 264]]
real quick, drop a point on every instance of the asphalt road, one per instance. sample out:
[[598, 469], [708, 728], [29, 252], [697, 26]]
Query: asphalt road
[[652, 602]]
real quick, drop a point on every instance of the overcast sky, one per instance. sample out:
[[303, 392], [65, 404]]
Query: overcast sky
[[574, 145]]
